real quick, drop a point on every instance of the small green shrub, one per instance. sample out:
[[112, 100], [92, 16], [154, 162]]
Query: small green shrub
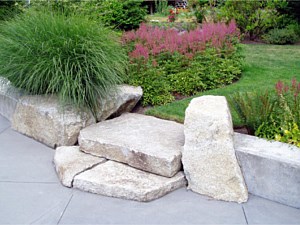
[[253, 109], [123, 14], [281, 36], [253, 17], [155, 86], [49, 53], [272, 115]]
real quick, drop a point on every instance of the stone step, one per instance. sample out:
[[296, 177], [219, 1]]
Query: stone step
[[70, 161], [115, 179], [143, 142]]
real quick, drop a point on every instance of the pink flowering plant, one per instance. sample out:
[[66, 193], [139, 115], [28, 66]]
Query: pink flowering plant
[[186, 62]]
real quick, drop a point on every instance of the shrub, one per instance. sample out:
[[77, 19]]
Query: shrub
[[273, 115], [123, 14], [281, 36], [183, 63], [253, 17], [253, 108], [49, 53]]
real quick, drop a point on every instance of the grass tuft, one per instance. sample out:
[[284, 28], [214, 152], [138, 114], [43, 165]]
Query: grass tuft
[[44, 52]]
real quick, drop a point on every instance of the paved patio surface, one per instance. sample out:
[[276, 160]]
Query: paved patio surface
[[30, 193]]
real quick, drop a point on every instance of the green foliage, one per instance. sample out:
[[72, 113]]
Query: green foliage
[[272, 115], [156, 89], [253, 108], [175, 73], [281, 36], [50, 53], [162, 7], [290, 134], [9, 9], [253, 17], [123, 14]]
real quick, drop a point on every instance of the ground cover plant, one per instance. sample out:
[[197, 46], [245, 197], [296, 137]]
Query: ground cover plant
[[264, 65], [167, 63], [45, 52]]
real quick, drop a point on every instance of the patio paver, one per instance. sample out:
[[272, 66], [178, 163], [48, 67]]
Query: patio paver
[[30, 192]]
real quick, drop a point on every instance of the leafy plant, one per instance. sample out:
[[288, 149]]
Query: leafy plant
[[123, 14], [253, 108], [48, 53], [162, 7], [281, 36], [183, 64], [253, 17], [272, 115]]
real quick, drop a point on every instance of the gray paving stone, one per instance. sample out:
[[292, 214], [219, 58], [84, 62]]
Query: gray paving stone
[[4, 124], [122, 181], [27, 203], [178, 207], [24, 160], [144, 142], [263, 211]]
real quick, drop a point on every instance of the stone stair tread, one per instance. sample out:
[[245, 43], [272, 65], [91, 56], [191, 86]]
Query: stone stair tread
[[143, 142], [115, 179]]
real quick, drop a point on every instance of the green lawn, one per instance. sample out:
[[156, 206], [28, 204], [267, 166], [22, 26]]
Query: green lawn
[[264, 66]]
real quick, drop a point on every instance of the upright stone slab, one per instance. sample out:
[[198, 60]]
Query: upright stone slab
[[208, 157], [115, 179], [122, 100], [9, 97], [43, 119], [143, 142], [271, 169], [69, 162]]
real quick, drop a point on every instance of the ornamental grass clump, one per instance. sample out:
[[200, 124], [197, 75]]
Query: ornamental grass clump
[[50, 53]]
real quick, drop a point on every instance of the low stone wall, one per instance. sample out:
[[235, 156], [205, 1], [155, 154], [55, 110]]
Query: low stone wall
[[271, 169], [9, 97]]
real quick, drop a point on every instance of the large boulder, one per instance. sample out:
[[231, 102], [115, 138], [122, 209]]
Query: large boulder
[[9, 97], [69, 162], [143, 142], [122, 100], [44, 119], [271, 169], [118, 180], [208, 157]]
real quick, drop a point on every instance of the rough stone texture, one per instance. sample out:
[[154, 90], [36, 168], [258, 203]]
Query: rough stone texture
[[120, 101], [70, 161], [208, 157], [9, 97], [43, 119], [271, 169], [143, 142], [118, 180]]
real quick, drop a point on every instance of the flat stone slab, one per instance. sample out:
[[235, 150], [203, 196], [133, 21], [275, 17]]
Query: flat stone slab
[[9, 97], [70, 161], [115, 179], [143, 142], [208, 157], [120, 101], [271, 169], [44, 119]]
